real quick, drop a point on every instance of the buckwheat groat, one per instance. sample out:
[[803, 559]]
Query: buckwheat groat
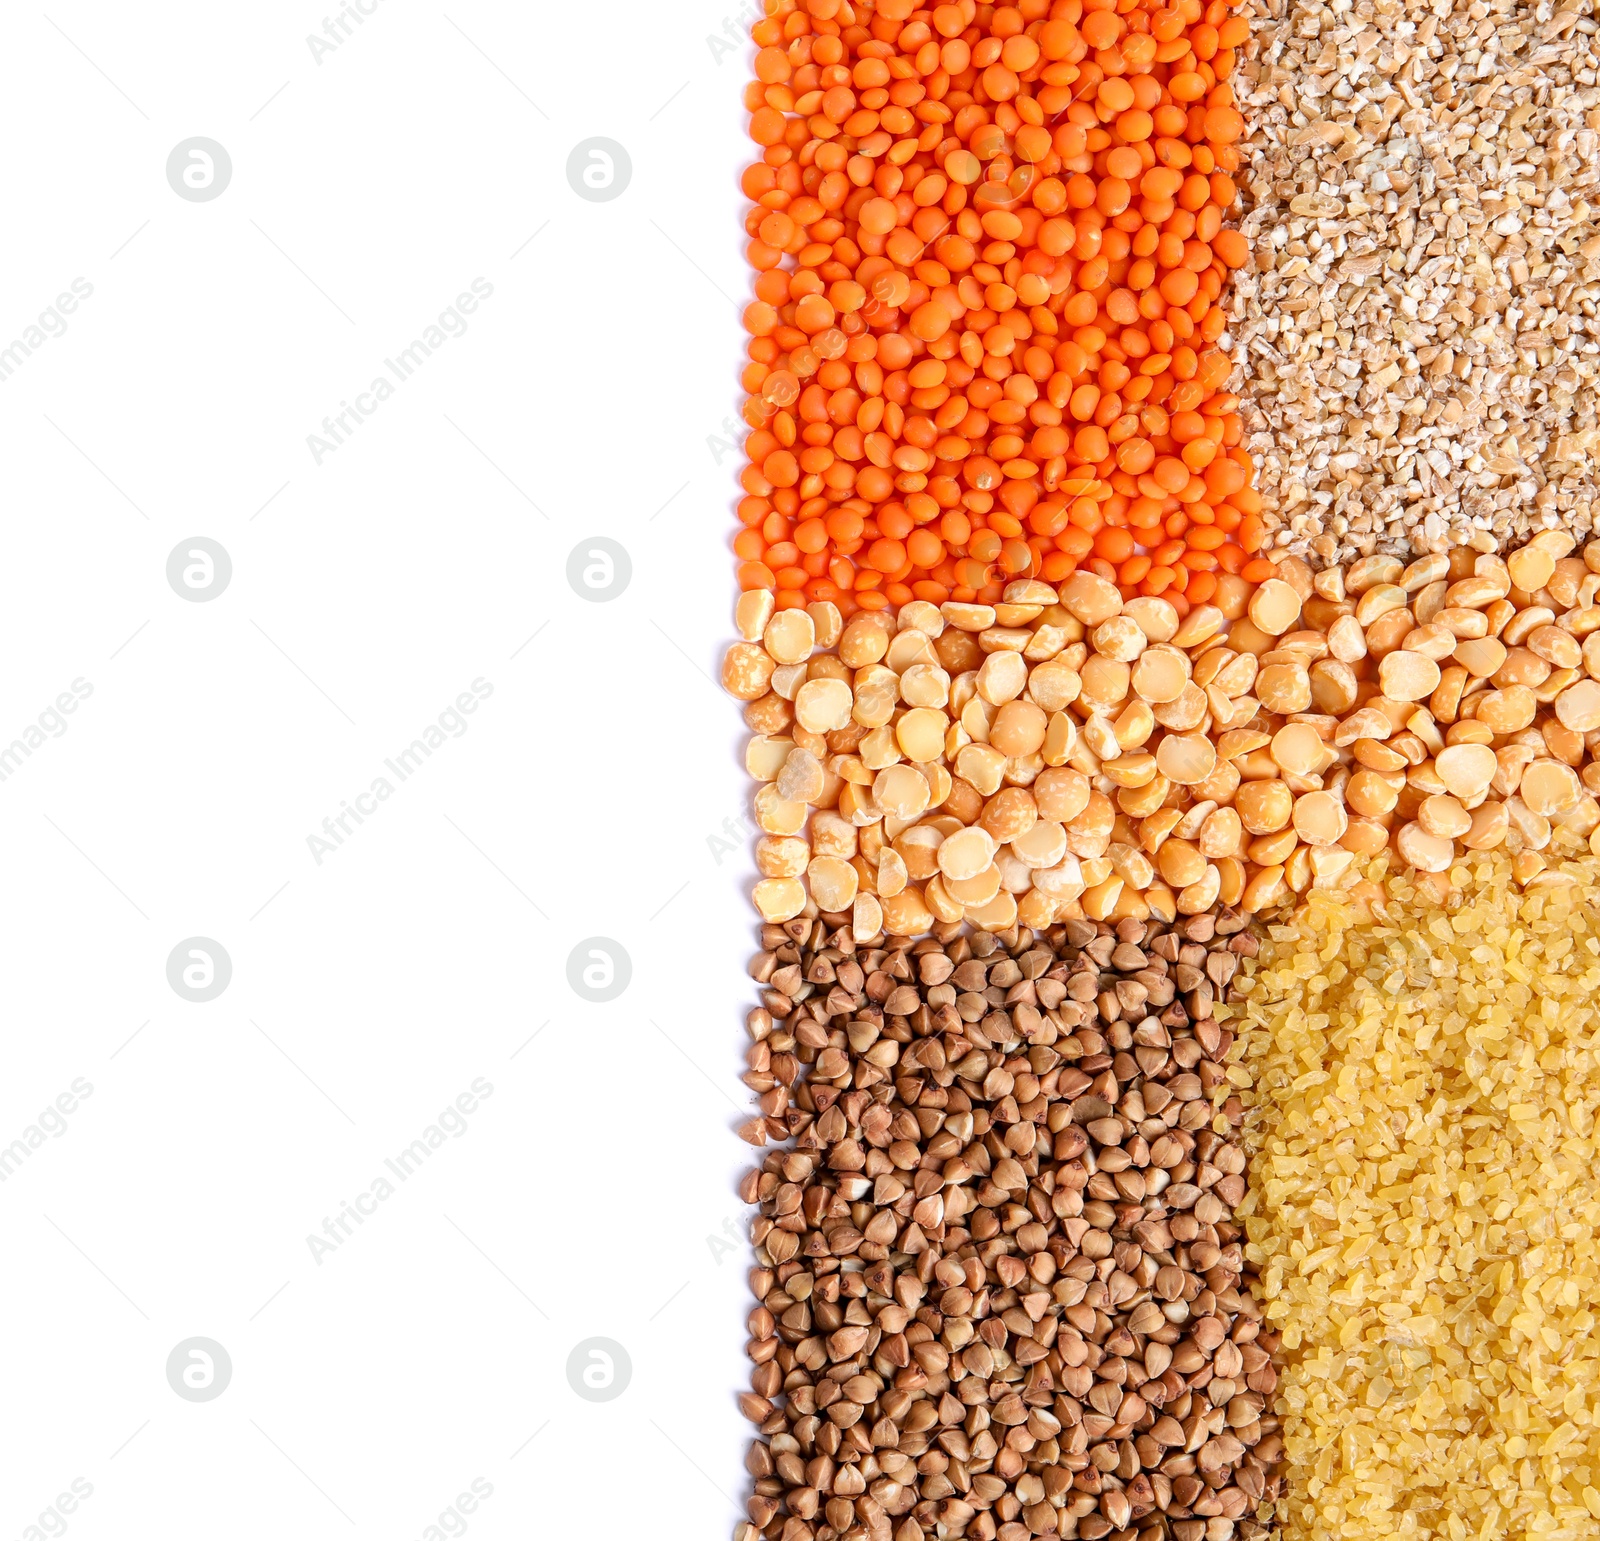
[[1000, 1286]]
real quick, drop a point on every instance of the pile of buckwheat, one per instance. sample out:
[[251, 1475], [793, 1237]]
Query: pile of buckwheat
[[999, 1276], [1418, 336]]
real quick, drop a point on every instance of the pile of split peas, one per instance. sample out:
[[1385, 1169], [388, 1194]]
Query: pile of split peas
[[990, 256]]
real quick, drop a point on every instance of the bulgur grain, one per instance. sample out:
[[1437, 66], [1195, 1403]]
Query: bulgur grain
[[1422, 1080]]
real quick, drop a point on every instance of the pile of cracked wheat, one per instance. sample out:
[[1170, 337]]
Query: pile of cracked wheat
[[1419, 338]]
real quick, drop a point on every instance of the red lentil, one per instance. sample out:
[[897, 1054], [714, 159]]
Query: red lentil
[[989, 251]]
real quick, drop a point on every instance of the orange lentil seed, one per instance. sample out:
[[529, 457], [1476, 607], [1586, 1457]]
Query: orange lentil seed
[[984, 339]]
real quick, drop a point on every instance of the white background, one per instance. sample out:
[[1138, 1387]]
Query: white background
[[427, 150]]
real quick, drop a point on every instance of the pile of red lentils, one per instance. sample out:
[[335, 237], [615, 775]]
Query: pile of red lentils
[[990, 249]]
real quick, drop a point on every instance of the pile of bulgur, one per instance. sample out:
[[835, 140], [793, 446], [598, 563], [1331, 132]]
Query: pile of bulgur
[[1422, 1080]]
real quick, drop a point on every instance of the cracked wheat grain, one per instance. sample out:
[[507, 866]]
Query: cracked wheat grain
[[1419, 332], [1423, 1206]]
